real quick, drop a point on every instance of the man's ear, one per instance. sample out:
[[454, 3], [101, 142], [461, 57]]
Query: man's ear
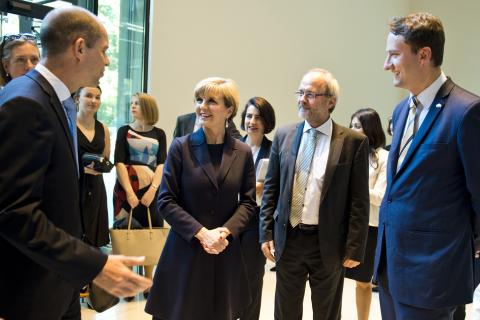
[[79, 47], [425, 54]]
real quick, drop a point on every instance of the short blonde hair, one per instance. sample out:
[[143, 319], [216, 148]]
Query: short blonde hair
[[227, 88], [148, 107]]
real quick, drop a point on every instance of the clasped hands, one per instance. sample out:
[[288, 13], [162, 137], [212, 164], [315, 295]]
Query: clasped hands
[[213, 241]]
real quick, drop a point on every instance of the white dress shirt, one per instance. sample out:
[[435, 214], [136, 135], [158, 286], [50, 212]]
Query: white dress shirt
[[58, 86], [313, 193], [377, 184]]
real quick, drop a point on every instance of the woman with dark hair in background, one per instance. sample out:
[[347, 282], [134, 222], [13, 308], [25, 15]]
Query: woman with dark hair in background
[[367, 121], [258, 119], [140, 151], [207, 197], [19, 54], [93, 137]]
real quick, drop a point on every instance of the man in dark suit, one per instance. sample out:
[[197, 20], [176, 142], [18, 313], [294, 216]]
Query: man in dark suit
[[314, 214], [45, 263], [188, 123], [425, 253]]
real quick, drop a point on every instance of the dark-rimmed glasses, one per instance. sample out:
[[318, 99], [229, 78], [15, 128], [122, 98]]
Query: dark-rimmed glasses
[[310, 95], [26, 36]]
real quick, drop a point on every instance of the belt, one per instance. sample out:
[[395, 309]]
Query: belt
[[308, 227]]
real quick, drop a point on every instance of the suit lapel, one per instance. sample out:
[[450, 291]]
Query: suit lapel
[[396, 141], [435, 108], [190, 125], [263, 152], [294, 148], [56, 106], [228, 157], [199, 149], [336, 146]]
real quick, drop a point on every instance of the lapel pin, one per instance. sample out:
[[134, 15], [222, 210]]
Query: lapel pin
[[438, 105]]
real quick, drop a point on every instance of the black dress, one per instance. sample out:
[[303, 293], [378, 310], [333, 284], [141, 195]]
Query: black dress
[[95, 212]]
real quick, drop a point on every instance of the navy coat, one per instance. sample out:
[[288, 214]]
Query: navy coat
[[190, 283], [430, 205]]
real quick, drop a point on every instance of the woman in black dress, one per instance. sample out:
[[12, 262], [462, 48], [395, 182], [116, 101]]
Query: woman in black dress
[[93, 137], [140, 151], [258, 119]]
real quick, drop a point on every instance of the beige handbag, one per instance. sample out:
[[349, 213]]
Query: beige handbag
[[139, 242]]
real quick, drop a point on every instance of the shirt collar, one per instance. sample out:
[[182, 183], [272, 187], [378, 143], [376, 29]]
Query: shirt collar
[[427, 96], [58, 86], [325, 128]]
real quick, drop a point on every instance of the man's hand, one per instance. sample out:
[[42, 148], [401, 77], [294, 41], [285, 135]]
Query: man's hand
[[349, 263], [268, 249], [117, 279], [213, 241]]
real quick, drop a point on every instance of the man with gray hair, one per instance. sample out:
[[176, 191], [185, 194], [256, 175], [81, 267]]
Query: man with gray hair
[[45, 263], [315, 208]]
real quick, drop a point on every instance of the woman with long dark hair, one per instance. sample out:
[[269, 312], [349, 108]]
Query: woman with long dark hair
[[367, 121]]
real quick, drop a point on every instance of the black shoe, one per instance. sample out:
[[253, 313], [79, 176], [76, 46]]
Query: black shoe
[[128, 299], [145, 294], [274, 268], [375, 289]]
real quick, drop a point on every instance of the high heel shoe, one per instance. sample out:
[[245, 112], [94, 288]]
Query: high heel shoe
[[128, 299], [145, 294]]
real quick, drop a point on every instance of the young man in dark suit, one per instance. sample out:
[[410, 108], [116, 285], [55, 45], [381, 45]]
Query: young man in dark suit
[[315, 208], [425, 253], [45, 263], [188, 123]]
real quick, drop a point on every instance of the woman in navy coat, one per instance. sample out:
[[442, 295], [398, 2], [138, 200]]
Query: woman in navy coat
[[258, 119], [207, 196]]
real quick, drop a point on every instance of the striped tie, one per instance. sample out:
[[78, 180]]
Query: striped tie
[[411, 129], [303, 166]]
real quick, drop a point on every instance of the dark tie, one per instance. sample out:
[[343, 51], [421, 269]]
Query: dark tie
[[304, 164], [71, 111], [411, 128]]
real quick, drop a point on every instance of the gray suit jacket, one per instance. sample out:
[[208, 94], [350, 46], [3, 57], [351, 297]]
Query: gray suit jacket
[[344, 203]]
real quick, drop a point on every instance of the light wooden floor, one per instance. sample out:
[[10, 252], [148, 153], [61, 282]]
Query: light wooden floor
[[134, 310]]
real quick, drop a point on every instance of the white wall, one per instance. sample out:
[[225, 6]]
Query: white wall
[[266, 46]]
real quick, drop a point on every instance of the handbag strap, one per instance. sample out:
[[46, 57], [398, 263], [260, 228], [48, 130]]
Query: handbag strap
[[130, 219], [149, 218], [148, 215]]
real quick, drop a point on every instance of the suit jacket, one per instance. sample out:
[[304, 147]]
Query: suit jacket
[[344, 203], [190, 283], [186, 123], [427, 213], [264, 152], [40, 219]]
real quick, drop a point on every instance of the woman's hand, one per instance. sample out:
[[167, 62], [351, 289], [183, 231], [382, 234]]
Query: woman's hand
[[148, 197], [89, 170], [132, 200], [213, 241]]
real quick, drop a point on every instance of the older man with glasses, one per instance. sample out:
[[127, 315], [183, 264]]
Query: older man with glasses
[[314, 214]]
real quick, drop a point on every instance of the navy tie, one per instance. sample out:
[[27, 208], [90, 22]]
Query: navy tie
[[71, 111]]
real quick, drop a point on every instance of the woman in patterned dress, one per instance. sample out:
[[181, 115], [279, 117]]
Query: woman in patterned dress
[[140, 152]]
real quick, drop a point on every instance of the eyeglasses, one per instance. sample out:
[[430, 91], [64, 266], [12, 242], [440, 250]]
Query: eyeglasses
[[26, 36], [311, 95]]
